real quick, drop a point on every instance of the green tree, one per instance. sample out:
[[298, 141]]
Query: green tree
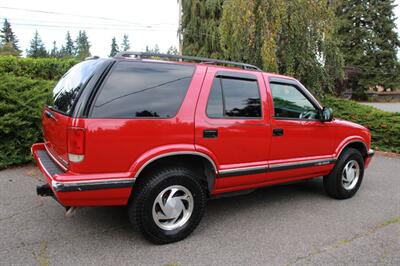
[[114, 47], [68, 50], [8, 40], [251, 37], [172, 50], [306, 48], [36, 48], [369, 42], [54, 51], [82, 46], [200, 22], [292, 37], [125, 45]]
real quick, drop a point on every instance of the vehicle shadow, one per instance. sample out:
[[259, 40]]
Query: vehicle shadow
[[114, 220]]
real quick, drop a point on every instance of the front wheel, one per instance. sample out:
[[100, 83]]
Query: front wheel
[[346, 177], [169, 205]]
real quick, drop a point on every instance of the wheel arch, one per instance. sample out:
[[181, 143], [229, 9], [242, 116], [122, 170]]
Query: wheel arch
[[357, 144], [193, 159]]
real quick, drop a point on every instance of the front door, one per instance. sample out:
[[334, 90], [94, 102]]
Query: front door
[[301, 143], [233, 126]]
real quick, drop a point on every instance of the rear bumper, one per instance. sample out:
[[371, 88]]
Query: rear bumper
[[72, 189]]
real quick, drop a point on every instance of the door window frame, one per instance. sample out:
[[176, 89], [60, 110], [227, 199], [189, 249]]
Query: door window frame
[[237, 76], [301, 89]]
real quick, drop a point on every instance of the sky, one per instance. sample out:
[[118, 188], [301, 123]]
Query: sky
[[147, 22]]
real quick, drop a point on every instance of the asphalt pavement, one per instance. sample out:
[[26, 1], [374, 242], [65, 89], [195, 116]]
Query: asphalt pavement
[[294, 224], [388, 107]]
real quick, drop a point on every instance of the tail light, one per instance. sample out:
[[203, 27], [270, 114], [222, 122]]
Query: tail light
[[76, 144]]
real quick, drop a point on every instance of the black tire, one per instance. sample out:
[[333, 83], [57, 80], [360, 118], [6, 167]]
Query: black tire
[[333, 184], [140, 209]]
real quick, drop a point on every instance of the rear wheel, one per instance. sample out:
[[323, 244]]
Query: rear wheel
[[346, 177], [169, 205]]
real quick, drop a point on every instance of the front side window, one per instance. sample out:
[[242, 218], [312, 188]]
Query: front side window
[[290, 103], [143, 89], [234, 98]]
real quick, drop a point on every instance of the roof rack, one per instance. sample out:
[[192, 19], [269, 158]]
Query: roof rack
[[204, 60]]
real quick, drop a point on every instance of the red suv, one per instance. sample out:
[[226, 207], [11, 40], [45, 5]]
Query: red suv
[[163, 136]]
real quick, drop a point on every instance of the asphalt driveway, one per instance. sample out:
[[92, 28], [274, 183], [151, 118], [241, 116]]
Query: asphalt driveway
[[388, 107], [282, 225]]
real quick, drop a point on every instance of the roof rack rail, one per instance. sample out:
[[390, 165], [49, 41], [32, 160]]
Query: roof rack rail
[[144, 55], [95, 57]]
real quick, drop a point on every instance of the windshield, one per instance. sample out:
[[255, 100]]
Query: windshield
[[70, 85]]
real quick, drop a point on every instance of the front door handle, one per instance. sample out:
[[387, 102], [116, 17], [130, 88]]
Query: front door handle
[[277, 132], [210, 133]]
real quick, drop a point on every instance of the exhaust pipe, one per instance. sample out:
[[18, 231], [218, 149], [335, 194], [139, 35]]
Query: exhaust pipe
[[44, 191], [70, 211]]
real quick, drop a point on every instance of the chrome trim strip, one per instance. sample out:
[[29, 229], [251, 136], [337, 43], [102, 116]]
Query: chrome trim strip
[[315, 162], [176, 153], [275, 167], [92, 184], [234, 171]]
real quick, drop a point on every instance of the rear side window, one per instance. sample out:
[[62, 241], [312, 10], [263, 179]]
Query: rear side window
[[234, 98], [67, 90], [143, 89]]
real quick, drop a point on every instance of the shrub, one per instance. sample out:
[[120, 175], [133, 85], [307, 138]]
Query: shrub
[[384, 126], [36, 68], [21, 102]]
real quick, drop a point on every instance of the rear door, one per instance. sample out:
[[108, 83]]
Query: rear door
[[56, 117], [232, 125]]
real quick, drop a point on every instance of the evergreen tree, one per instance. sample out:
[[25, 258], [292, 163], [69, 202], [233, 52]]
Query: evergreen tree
[[125, 45], [200, 22], [54, 51], [68, 50], [172, 50], [8, 49], [156, 49], [36, 48], [114, 47], [369, 43], [8, 40], [82, 46]]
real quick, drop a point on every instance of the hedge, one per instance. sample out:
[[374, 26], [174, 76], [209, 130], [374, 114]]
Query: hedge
[[26, 85], [21, 102], [384, 126], [39, 68]]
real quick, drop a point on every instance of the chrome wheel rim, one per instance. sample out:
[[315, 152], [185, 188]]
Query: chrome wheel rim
[[173, 207], [350, 174]]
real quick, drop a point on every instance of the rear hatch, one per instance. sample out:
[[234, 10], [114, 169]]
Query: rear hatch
[[56, 118]]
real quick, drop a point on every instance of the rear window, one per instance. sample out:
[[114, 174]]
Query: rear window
[[70, 85], [143, 89]]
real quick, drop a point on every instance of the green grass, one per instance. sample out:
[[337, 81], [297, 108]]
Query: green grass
[[384, 126]]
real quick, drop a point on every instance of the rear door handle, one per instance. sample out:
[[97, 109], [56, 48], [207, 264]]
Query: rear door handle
[[210, 133], [50, 115], [277, 132]]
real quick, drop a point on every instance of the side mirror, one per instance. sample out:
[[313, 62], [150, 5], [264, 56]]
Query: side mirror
[[326, 114]]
